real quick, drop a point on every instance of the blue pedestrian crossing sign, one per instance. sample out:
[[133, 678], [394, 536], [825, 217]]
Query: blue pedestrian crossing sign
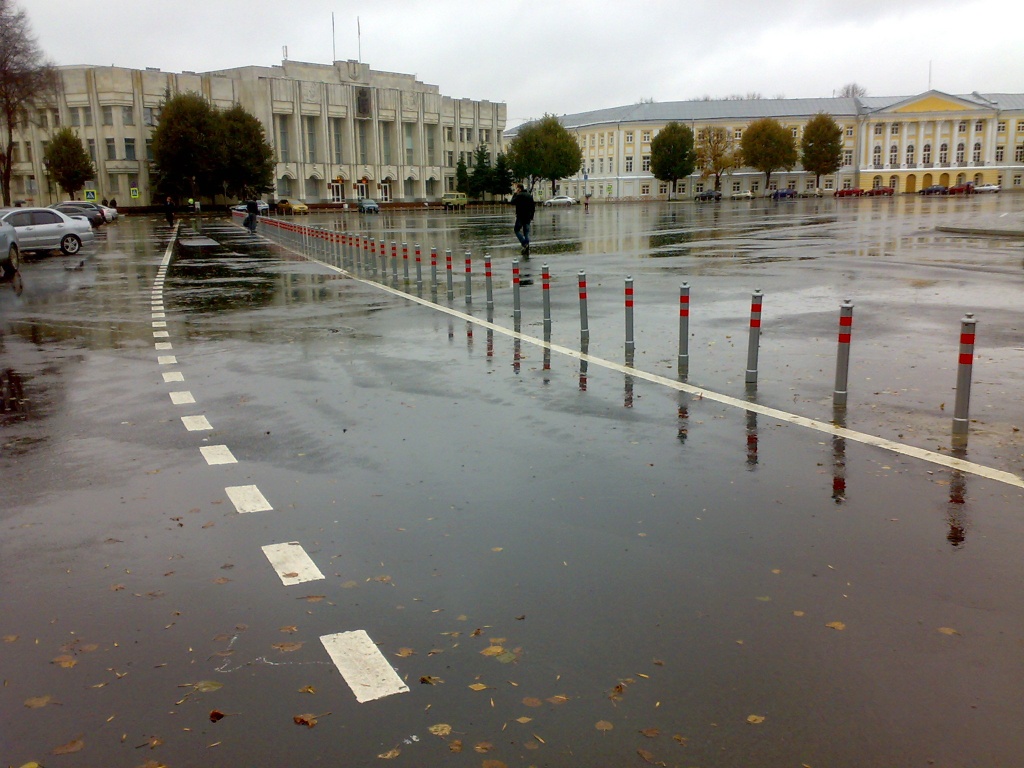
[[134, 193], [90, 195]]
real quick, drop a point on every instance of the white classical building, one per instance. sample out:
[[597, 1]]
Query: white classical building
[[340, 132], [903, 142]]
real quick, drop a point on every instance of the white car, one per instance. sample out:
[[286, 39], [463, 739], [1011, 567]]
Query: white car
[[262, 206], [746, 195], [562, 200], [44, 229], [987, 188], [109, 214]]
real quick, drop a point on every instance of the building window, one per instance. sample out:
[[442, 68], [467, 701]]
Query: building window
[[1000, 151], [663, 189], [73, 111], [847, 184], [91, 143], [600, 165], [611, 165], [910, 155], [879, 129], [1016, 180], [1001, 126], [737, 134], [962, 127], [645, 137], [645, 189], [337, 126], [283, 148], [629, 163], [108, 115], [894, 155], [645, 163], [943, 154], [149, 116], [28, 151], [449, 133], [894, 129], [1020, 126], [960, 152], [431, 145], [1018, 154], [849, 130], [735, 186], [847, 157], [828, 184], [450, 160], [629, 135], [149, 150], [600, 140], [56, 118], [611, 139], [926, 154], [976, 153], [876, 156], [410, 158], [680, 187], [310, 133], [363, 139], [485, 137], [385, 142], [796, 131], [979, 126], [111, 150], [129, 149], [127, 116], [87, 116]]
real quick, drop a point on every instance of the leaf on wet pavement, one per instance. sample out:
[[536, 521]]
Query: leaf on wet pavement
[[455, 746], [559, 699], [288, 647], [382, 579], [683, 740], [493, 764], [37, 702], [10, 638], [493, 650], [221, 580], [530, 701], [308, 719], [404, 653], [312, 598], [290, 629], [207, 686], [648, 757], [650, 733], [215, 715], [483, 747], [391, 754], [798, 613], [307, 689], [836, 625], [755, 719], [290, 575], [430, 680], [65, 661], [948, 631], [603, 725], [75, 745], [441, 729], [524, 720], [478, 687]]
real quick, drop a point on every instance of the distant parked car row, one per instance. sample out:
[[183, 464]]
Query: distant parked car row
[[966, 188]]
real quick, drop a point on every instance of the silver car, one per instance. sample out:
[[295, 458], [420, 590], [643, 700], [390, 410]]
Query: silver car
[[44, 229], [9, 254]]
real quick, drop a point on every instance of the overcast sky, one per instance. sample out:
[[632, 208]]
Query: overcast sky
[[565, 56]]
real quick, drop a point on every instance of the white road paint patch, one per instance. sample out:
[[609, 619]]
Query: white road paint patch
[[247, 498], [181, 398], [217, 454], [363, 666], [196, 423], [164, 345], [160, 323], [290, 558], [158, 314], [173, 376], [161, 334], [167, 360]]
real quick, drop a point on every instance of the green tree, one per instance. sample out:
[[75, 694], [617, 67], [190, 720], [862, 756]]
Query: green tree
[[672, 155], [501, 176], [821, 148], [186, 148], [26, 80], [716, 153], [480, 178], [68, 162], [247, 160], [544, 150], [768, 146], [461, 177]]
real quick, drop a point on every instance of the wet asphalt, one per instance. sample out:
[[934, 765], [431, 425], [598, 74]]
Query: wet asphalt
[[566, 568]]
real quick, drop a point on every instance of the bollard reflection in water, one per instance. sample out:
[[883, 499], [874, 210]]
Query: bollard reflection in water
[[956, 509], [627, 401], [584, 347], [839, 456], [683, 417]]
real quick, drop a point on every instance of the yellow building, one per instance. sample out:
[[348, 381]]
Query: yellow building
[[903, 142]]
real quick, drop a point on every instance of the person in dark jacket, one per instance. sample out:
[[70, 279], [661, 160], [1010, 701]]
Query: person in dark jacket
[[169, 211], [254, 213], [525, 207]]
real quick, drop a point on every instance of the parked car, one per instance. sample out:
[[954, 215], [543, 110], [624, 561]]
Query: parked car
[[286, 207], [854, 192], [109, 214], [46, 229], [745, 195], [783, 194], [981, 188], [262, 205], [810, 193], [967, 188], [561, 200], [454, 200], [879, 192], [934, 189], [708, 195], [93, 216], [10, 255], [368, 205]]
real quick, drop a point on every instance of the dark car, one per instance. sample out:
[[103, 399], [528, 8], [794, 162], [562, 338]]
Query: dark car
[[934, 189], [94, 216], [782, 194], [708, 195], [368, 205]]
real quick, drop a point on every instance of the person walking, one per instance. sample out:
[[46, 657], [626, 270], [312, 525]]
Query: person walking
[[525, 207], [254, 211], [169, 211]]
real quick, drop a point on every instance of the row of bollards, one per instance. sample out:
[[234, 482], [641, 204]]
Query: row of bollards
[[367, 255]]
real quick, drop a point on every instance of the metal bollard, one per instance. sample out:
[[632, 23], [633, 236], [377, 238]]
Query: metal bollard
[[755, 336], [839, 393], [382, 253], [517, 310], [630, 343], [961, 423], [448, 269], [546, 280], [684, 329], [394, 263], [584, 326], [487, 282], [405, 262], [469, 284], [419, 269], [433, 273]]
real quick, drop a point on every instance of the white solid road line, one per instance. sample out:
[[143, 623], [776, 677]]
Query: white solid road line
[[292, 564], [181, 398], [196, 423], [217, 454], [247, 498], [363, 666]]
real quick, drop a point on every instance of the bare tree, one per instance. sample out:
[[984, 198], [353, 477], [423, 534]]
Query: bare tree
[[26, 79], [852, 91]]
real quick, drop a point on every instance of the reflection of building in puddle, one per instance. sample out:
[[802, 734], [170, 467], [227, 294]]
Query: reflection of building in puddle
[[12, 395]]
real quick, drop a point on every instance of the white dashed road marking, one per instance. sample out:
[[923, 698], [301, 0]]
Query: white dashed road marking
[[181, 398], [159, 323], [247, 498], [196, 423], [292, 564], [161, 334], [363, 666], [167, 360], [163, 345], [173, 376], [217, 454]]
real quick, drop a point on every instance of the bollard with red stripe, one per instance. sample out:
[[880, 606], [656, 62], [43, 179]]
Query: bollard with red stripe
[[684, 329], [394, 263], [630, 342], [755, 336], [964, 371], [584, 323], [517, 310], [419, 268], [405, 262], [433, 271], [546, 279], [843, 354], [488, 287], [469, 283], [450, 277]]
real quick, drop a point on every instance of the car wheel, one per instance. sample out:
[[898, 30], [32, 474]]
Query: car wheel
[[13, 261], [70, 245]]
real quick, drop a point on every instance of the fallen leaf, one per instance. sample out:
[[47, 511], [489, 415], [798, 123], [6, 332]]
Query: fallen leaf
[[441, 729], [313, 598], [290, 629], [798, 613], [290, 575], [483, 747], [524, 720], [647, 757], [496, 549], [650, 733], [215, 715], [455, 746], [405, 653], [307, 689], [948, 631], [153, 742], [71, 747], [530, 701], [307, 719], [478, 687], [382, 579], [559, 699], [837, 625], [37, 702], [288, 647], [755, 719], [492, 650], [494, 764], [538, 738], [208, 686], [391, 754], [430, 680], [681, 739], [221, 580], [603, 725], [10, 638], [65, 661]]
